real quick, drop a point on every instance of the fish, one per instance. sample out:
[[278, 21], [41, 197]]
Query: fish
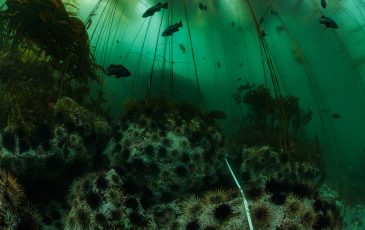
[[151, 11], [204, 58], [263, 33], [172, 29], [239, 79], [118, 71], [118, 41], [202, 7], [120, 57], [336, 115], [261, 21], [328, 22], [219, 65], [279, 28], [233, 24], [217, 114], [182, 48], [241, 64], [273, 12], [323, 3]]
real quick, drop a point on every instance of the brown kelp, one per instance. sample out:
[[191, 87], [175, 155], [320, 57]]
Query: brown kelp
[[45, 55]]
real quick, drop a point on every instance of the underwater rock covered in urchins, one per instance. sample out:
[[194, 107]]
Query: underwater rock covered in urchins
[[15, 211], [98, 202], [224, 209], [165, 152], [62, 148], [253, 164]]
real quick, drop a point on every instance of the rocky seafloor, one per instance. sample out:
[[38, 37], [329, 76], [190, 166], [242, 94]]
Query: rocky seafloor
[[154, 168]]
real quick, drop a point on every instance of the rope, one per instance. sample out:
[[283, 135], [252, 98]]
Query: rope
[[243, 197]]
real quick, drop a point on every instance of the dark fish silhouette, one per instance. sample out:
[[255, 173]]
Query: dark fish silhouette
[[323, 3], [118, 71], [118, 41], [261, 21], [172, 29], [263, 33], [328, 22], [239, 79], [241, 64], [233, 24], [202, 7], [217, 114], [151, 11], [219, 65], [336, 115], [120, 56], [273, 12]]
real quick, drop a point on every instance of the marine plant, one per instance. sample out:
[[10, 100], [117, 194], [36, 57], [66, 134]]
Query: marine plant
[[44, 66]]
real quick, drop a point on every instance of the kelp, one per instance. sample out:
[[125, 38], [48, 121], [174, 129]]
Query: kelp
[[44, 56]]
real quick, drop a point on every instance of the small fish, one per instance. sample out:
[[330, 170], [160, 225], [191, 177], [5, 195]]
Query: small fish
[[241, 64], [336, 115], [120, 57], [323, 3], [263, 33], [118, 71], [273, 12], [118, 41], [328, 22], [172, 29], [204, 58], [236, 43], [151, 11], [182, 48], [261, 21], [239, 79], [279, 28], [202, 7], [233, 24], [219, 65]]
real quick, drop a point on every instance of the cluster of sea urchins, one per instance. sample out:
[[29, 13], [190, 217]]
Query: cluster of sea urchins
[[164, 159], [224, 209], [97, 200]]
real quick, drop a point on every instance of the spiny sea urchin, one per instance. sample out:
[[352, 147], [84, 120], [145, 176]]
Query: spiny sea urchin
[[263, 215], [101, 182], [215, 196], [149, 150], [114, 195], [294, 206], [308, 218], [193, 207], [166, 142], [82, 218], [222, 212], [254, 191], [100, 219]]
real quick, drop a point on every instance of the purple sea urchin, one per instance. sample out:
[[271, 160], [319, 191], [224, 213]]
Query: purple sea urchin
[[216, 196], [294, 206], [193, 207], [166, 142], [254, 192], [262, 215], [308, 218], [222, 212]]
